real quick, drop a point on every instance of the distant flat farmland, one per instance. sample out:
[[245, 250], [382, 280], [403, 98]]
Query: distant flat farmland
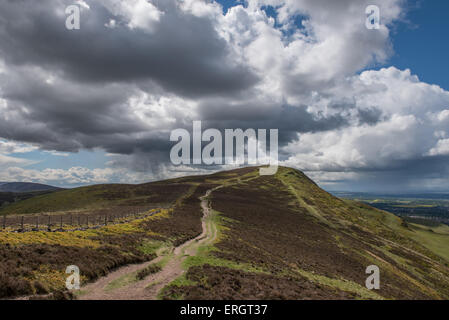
[[424, 208]]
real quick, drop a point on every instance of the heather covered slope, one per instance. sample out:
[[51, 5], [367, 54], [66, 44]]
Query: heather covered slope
[[275, 237], [284, 237]]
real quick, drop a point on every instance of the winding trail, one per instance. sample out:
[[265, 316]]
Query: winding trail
[[148, 288]]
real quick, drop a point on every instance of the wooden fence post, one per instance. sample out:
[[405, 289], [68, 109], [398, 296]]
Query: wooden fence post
[[49, 222], [37, 223], [61, 221], [4, 221], [22, 223]]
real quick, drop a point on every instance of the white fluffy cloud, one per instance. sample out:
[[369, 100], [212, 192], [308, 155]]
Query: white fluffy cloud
[[141, 14], [413, 125], [72, 176], [7, 161], [8, 147], [441, 148]]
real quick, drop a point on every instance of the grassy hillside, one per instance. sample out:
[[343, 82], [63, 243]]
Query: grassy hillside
[[25, 187], [284, 237], [277, 237], [7, 198], [99, 196], [34, 262]]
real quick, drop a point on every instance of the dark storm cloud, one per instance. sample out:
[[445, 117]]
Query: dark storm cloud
[[69, 116], [184, 54], [65, 116], [98, 69], [369, 116], [72, 90], [289, 120], [423, 174]]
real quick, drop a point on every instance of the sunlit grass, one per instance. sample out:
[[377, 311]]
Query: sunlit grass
[[79, 238], [340, 284]]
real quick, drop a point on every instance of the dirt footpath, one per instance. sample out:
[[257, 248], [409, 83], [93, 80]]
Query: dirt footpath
[[148, 288]]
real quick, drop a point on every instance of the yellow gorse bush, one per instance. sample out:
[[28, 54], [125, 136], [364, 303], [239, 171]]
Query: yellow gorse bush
[[79, 238]]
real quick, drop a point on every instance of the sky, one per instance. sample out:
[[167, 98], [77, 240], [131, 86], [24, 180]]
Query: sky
[[356, 109]]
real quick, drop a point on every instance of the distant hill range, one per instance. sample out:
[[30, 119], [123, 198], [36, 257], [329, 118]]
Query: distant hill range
[[25, 187]]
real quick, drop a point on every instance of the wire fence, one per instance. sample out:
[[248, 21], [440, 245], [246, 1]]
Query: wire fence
[[72, 221]]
